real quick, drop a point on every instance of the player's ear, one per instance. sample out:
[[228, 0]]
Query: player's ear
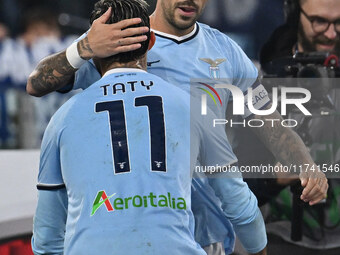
[[152, 40]]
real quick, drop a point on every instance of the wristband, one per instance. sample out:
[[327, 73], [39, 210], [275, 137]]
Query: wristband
[[73, 57]]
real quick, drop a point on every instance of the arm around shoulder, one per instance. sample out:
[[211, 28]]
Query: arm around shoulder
[[52, 73], [102, 40]]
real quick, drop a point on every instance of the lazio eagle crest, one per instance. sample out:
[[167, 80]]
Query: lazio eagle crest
[[214, 68]]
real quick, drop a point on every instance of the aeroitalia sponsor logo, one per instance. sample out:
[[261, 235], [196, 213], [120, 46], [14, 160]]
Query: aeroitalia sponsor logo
[[101, 199], [137, 201]]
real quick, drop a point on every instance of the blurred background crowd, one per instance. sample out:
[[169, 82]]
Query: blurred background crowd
[[31, 30]]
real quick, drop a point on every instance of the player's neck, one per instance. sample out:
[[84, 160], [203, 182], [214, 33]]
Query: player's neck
[[139, 64], [158, 23]]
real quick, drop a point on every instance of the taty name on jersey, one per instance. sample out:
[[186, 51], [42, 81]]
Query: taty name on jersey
[[130, 86]]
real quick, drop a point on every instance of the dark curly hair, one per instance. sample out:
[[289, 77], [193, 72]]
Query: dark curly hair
[[124, 9]]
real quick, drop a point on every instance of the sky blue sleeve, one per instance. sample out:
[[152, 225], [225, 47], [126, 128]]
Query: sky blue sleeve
[[209, 146], [50, 175], [214, 147], [211, 225], [49, 222], [86, 75], [245, 73], [240, 206]]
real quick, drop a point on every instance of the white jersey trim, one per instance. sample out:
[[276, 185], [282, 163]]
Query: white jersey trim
[[177, 38], [124, 70]]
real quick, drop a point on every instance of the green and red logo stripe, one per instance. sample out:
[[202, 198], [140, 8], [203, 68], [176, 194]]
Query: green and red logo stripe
[[210, 94]]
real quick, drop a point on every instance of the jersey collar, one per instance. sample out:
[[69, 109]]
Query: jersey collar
[[178, 39], [124, 70]]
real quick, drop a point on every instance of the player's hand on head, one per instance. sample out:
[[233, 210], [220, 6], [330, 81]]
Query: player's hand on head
[[104, 40], [315, 186]]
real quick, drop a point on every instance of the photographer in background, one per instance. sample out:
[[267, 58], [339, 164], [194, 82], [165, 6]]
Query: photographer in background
[[312, 32], [311, 26]]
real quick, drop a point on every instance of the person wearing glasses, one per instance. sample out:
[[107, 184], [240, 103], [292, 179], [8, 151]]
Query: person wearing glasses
[[311, 26], [320, 28]]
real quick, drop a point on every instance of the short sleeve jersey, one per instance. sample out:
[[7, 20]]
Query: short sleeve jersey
[[122, 150], [206, 54]]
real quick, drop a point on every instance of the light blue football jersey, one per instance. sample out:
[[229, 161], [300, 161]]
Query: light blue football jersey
[[122, 150], [204, 54]]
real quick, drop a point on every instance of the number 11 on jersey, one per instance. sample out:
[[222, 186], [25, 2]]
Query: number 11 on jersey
[[120, 146]]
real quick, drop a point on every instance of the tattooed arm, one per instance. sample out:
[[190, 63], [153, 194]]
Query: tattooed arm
[[103, 40], [52, 73], [55, 72], [289, 149]]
